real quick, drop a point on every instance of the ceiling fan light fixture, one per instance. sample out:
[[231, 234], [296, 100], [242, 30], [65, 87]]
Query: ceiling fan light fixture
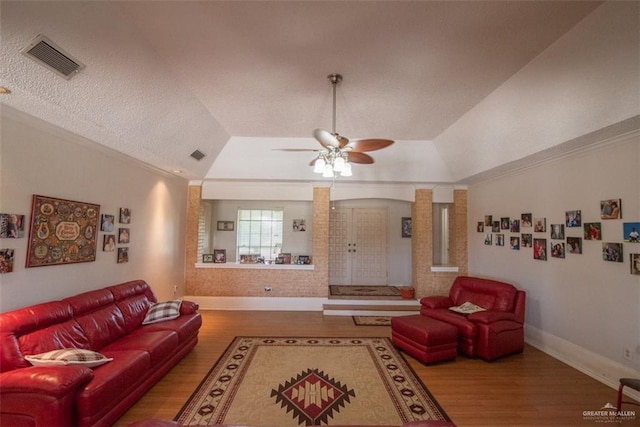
[[346, 171], [338, 164], [328, 171], [318, 167]]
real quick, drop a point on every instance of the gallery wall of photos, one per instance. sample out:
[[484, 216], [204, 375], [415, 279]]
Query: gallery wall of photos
[[543, 241], [47, 211]]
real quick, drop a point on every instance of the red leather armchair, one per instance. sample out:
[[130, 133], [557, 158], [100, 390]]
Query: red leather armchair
[[490, 334]]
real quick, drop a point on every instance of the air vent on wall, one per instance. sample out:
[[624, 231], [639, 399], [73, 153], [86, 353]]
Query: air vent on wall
[[47, 53], [198, 155]]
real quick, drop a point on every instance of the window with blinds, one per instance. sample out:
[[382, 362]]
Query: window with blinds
[[260, 232]]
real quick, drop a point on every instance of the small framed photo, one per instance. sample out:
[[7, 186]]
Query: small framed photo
[[488, 220], [540, 249], [6, 260], [612, 252], [515, 226], [249, 258], [557, 231], [283, 258], [225, 225], [525, 220], [575, 245], [125, 216], [406, 226], [304, 259], [11, 226], [109, 243], [495, 227], [514, 242], [540, 225], [107, 223], [573, 218], [500, 239], [634, 259], [123, 255], [123, 235], [207, 258], [219, 256], [592, 231], [557, 250], [527, 240], [299, 225], [480, 227], [488, 239], [505, 223], [611, 209], [630, 231]]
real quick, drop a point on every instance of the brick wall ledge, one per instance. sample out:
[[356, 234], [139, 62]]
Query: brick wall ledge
[[444, 269], [255, 266]]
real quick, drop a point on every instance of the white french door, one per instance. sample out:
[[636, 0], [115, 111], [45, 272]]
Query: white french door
[[358, 247]]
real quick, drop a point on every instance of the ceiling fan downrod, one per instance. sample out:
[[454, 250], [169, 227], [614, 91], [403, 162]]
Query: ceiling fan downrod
[[334, 79]]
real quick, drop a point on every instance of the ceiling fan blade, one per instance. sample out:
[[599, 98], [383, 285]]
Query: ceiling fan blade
[[325, 138], [362, 145], [342, 140], [357, 157], [295, 149]]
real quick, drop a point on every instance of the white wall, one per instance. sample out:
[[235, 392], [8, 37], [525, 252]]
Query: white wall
[[581, 309], [37, 158]]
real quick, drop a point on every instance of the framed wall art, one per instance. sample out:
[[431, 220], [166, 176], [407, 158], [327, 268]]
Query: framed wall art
[[407, 227], [124, 235], [225, 225], [592, 231], [207, 258], [631, 232], [299, 225], [62, 232], [634, 260]]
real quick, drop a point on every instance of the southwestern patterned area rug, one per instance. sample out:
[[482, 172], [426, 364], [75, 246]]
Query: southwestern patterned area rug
[[364, 292], [372, 320], [293, 381]]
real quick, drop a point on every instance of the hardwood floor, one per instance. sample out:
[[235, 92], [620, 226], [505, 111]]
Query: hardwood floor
[[531, 389]]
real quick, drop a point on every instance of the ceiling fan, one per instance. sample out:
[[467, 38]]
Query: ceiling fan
[[338, 152]]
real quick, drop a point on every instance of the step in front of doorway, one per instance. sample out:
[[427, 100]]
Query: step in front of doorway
[[367, 308]]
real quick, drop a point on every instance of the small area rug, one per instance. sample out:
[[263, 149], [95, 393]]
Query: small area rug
[[293, 381], [372, 320], [364, 292]]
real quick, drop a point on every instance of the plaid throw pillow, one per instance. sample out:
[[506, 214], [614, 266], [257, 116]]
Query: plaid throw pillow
[[68, 356], [161, 311]]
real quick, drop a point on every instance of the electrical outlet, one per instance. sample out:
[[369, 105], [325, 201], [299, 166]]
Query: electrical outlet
[[626, 353], [267, 288]]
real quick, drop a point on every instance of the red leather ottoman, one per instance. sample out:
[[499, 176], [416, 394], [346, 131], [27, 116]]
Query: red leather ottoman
[[428, 340]]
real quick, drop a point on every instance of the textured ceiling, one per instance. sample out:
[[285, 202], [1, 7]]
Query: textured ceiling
[[237, 79]]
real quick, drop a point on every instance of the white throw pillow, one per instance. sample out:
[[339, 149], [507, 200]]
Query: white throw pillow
[[467, 308], [161, 311], [69, 356]]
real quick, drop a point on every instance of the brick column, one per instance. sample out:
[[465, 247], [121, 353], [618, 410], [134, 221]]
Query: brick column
[[421, 241], [194, 194], [321, 212]]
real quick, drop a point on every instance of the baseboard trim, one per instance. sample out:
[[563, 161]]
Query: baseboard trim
[[594, 365], [259, 303]]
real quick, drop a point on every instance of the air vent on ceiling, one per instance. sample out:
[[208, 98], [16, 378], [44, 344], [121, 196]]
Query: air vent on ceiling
[[47, 53], [198, 155]]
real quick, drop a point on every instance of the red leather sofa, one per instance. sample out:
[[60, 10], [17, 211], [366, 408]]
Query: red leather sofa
[[490, 334], [108, 321]]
